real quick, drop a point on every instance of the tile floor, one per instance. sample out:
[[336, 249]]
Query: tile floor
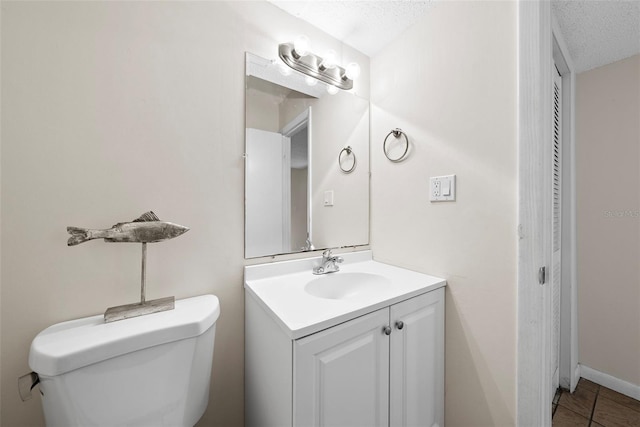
[[592, 405]]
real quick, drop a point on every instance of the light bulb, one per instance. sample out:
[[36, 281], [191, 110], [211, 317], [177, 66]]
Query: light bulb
[[301, 45], [310, 81], [329, 60], [332, 89], [352, 71]]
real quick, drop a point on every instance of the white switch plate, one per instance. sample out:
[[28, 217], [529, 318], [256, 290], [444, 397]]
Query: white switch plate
[[442, 188], [328, 198]]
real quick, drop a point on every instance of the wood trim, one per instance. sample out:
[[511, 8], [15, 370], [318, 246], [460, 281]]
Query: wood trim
[[609, 381], [560, 49], [534, 180], [569, 317]]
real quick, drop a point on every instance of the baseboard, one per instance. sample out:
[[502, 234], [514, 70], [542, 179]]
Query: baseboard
[[616, 384], [575, 379], [570, 382]]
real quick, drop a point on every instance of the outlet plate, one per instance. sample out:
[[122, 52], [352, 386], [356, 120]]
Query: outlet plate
[[442, 188], [436, 188]]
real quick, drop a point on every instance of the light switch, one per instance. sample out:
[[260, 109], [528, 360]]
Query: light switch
[[446, 187], [442, 188], [328, 198]]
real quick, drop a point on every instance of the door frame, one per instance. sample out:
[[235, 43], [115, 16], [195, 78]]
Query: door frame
[[533, 400], [569, 368], [537, 36], [304, 119]]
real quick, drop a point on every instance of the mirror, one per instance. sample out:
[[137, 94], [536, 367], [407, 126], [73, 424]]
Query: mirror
[[298, 193]]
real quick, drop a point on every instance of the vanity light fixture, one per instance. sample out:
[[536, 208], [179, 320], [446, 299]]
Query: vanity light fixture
[[298, 56], [329, 60], [352, 71]]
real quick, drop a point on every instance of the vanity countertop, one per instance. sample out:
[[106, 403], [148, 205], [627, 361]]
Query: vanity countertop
[[280, 289]]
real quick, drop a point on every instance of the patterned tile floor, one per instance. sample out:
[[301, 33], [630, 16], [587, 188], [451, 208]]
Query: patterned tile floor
[[592, 405]]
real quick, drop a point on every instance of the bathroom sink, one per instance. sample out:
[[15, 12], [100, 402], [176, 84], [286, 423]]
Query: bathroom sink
[[341, 285], [303, 303]]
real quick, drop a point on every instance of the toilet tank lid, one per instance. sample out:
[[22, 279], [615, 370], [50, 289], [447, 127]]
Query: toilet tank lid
[[71, 345]]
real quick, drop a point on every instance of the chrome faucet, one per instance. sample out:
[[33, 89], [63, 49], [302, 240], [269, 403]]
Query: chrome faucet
[[308, 245], [329, 263]]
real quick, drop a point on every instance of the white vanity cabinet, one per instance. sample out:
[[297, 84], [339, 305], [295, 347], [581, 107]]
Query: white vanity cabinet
[[341, 375], [416, 363], [384, 368]]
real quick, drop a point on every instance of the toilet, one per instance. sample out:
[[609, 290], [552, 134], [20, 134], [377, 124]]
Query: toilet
[[152, 370]]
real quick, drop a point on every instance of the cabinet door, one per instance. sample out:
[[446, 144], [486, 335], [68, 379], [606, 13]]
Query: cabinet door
[[341, 375], [417, 361]]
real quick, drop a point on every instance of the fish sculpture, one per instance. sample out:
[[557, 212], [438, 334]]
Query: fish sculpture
[[146, 229]]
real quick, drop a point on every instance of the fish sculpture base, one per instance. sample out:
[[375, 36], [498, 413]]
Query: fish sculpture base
[[127, 311]]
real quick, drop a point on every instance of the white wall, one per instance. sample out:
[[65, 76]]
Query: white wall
[[110, 109], [337, 121], [348, 219], [450, 83], [608, 218], [262, 108]]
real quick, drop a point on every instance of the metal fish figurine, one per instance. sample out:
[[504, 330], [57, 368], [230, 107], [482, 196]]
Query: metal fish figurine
[[146, 229]]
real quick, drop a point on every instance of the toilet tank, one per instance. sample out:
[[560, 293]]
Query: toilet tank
[[152, 370]]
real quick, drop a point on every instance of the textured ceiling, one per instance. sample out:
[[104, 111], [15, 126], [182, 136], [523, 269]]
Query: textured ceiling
[[599, 32], [367, 26]]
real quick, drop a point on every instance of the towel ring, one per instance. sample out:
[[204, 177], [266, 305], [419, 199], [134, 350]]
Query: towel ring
[[349, 151], [397, 132]]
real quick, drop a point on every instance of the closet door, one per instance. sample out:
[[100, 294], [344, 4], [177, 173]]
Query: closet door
[[417, 361], [556, 215], [341, 375]]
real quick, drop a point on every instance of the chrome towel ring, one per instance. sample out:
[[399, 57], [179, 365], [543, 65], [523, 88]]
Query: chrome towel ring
[[349, 152], [397, 132]]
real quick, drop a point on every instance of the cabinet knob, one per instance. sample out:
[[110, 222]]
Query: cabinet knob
[[399, 324], [386, 330]]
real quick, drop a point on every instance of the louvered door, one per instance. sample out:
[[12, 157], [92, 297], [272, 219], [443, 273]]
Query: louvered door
[[556, 204]]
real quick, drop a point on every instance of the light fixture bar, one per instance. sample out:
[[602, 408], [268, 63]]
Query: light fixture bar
[[309, 64]]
